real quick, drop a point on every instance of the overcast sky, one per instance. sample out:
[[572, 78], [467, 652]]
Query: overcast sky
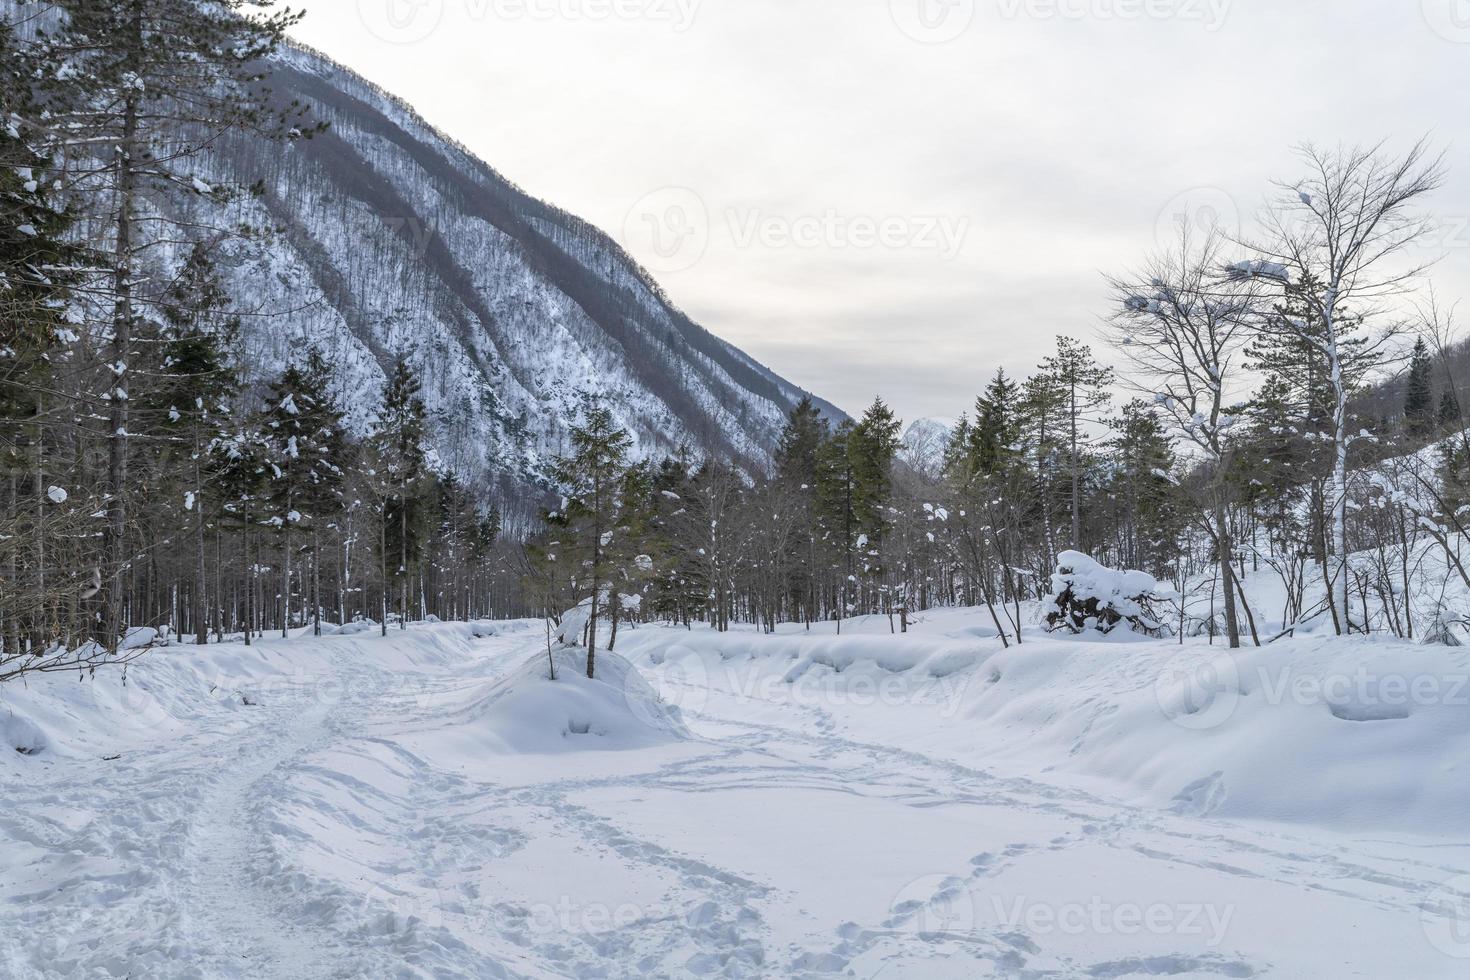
[[897, 197]]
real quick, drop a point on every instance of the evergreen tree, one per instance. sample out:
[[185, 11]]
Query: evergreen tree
[[1080, 386], [872, 447], [309, 450], [1142, 457], [150, 85], [1449, 411], [399, 447], [996, 435], [1419, 408], [184, 405], [40, 582], [590, 479], [797, 464]]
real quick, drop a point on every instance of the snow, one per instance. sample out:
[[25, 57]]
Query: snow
[[528, 713], [57, 495], [1081, 587], [929, 804], [1259, 269]]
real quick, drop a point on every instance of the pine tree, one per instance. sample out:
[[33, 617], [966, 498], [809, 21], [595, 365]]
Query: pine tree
[[244, 472], [40, 583], [1081, 386], [1419, 409], [399, 442], [590, 478], [1449, 411], [797, 464], [997, 430], [183, 406], [309, 458], [147, 87]]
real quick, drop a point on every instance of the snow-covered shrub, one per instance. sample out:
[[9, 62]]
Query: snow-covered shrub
[[1089, 597], [573, 629]]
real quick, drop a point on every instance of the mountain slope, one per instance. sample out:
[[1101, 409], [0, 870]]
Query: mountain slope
[[396, 242]]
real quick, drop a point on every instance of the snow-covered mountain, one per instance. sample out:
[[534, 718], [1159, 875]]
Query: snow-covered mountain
[[397, 242], [924, 443]]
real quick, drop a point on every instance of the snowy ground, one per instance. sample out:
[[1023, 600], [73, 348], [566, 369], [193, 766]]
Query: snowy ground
[[924, 806]]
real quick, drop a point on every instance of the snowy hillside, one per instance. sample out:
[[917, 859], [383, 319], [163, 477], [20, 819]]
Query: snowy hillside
[[924, 443], [740, 805], [396, 242]]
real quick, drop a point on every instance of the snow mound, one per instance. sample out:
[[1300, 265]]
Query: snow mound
[[1088, 596], [527, 712], [21, 734]]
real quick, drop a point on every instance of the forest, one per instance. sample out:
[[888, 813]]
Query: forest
[[1285, 403]]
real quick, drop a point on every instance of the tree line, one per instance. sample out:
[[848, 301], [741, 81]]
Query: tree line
[[141, 483], [1233, 436]]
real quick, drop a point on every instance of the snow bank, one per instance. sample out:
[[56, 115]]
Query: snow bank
[[171, 690], [527, 712], [1358, 734]]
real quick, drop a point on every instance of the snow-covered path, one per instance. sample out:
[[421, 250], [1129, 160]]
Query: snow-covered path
[[351, 822]]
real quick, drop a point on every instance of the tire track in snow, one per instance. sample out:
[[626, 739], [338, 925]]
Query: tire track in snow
[[234, 925]]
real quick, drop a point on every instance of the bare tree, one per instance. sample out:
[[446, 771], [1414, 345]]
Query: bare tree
[[1335, 244], [1181, 324]]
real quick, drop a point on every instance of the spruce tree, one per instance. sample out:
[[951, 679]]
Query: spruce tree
[[308, 457], [796, 471], [40, 582], [997, 430], [399, 442], [1082, 388], [1449, 411], [183, 406], [590, 479], [1419, 408], [145, 88]]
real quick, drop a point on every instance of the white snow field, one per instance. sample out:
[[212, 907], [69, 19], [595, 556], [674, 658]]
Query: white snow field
[[925, 805]]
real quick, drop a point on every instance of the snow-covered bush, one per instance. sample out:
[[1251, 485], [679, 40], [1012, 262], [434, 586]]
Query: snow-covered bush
[[573, 629], [1089, 597]]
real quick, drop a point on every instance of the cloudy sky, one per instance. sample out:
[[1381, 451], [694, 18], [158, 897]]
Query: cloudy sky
[[900, 196]]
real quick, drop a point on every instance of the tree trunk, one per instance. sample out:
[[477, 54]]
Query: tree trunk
[[201, 613], [286, 581], [1227, 572], [110, 626]]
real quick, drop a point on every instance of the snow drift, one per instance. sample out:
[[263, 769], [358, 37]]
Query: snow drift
[[528, 712], [1350, 733]]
